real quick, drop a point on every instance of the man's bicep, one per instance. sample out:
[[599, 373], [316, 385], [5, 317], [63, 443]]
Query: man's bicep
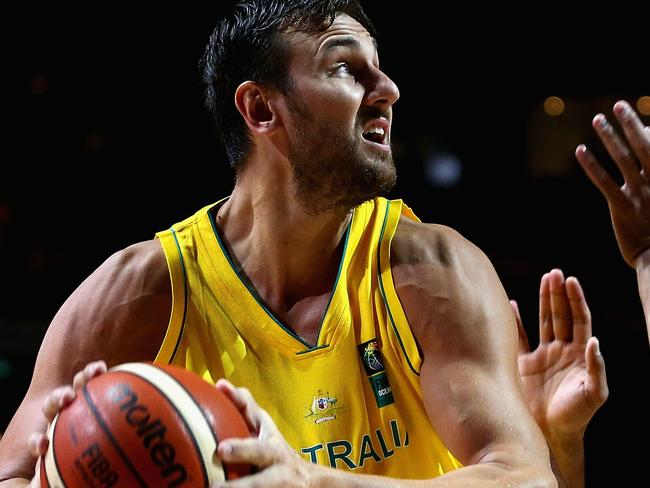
[[469, 379], [119, 313]]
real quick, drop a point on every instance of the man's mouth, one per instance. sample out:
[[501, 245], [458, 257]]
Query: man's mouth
[[376, 131]]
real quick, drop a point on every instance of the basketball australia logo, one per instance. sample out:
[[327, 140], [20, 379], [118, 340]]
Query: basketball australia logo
[[323, 408], [374, 366]]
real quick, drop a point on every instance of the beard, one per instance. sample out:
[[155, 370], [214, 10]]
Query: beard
[[340, 173]]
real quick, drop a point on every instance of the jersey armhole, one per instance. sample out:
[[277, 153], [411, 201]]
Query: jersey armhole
[[171, 247], [398, 322]]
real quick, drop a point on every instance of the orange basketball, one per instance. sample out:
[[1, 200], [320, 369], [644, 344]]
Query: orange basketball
[[142, 425]]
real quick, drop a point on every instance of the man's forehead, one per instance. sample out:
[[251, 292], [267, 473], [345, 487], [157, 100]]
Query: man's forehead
[[344, 31]]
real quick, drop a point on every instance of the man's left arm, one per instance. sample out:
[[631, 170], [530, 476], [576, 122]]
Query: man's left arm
[[461, 317], [463, 322]]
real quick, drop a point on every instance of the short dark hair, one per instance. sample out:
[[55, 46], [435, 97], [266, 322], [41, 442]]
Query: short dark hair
[[246, 45]]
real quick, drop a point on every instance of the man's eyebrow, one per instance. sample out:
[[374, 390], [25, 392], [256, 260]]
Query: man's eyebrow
[[350, 42]]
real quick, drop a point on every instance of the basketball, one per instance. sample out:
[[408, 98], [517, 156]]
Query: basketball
[[142, 425]]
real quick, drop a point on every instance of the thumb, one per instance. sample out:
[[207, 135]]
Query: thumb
[[596, 387]]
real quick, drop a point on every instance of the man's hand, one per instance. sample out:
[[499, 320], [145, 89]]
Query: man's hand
[[55, 402], [564, 378], [278, 464], [629, 205]]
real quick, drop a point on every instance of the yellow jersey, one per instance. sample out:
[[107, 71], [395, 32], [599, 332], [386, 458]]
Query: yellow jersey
[[353, 400]]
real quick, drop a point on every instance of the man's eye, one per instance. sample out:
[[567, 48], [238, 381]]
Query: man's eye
[[342, 69]]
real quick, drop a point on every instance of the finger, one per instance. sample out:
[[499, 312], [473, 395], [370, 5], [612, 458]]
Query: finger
[[545, 317], [247, 451], [245, 403], [524, 347], [598, 176], [634, 132], [579, 310], [596, 387], [560, 309], [90, 371], [618, 150], [37, 444], [55, 401]]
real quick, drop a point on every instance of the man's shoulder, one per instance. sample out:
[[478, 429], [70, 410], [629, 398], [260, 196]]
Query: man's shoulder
[[441, 278], [422, 244], [128, 298], [144, 259]]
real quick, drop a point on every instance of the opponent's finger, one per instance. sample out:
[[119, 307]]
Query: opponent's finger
[[55, 401], [596, 387], [545, 316], [598, 176], [635, 132], [90, 371], [560, 309], [523, 345], [618, 150], [579, 310]]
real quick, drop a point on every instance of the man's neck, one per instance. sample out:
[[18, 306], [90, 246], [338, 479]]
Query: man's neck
[[286, 254]]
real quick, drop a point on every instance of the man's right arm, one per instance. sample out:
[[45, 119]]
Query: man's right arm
[[118, 314]]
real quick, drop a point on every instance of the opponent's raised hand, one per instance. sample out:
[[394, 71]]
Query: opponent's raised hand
[[629, 205]]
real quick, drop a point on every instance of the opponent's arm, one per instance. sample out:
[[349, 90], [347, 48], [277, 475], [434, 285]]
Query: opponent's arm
[[564, 379], [118, 314], [629, 205]]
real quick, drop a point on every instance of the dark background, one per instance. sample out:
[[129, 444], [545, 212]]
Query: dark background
[[107, 142]]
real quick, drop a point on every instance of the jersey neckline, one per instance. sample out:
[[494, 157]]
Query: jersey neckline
[[331, 315]]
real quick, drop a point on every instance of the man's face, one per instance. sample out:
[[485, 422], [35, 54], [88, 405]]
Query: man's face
[[339, 117]]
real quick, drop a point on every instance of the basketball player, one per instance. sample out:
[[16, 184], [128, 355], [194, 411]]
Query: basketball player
[[629, 205], [377, 344]]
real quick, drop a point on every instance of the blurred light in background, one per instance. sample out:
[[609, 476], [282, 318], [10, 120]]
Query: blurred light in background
[[552, 140], [443, 169], [554, 106], [643, 105]]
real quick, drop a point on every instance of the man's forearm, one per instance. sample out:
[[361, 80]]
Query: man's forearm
[[488, 475]]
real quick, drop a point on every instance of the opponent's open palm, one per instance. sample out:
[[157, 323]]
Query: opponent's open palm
[[564, 378]]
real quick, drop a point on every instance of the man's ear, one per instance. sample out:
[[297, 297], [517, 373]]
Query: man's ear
[[254, 105]]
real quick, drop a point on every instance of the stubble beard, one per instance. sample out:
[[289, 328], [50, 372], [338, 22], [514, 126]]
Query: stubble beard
[[338, 174]]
